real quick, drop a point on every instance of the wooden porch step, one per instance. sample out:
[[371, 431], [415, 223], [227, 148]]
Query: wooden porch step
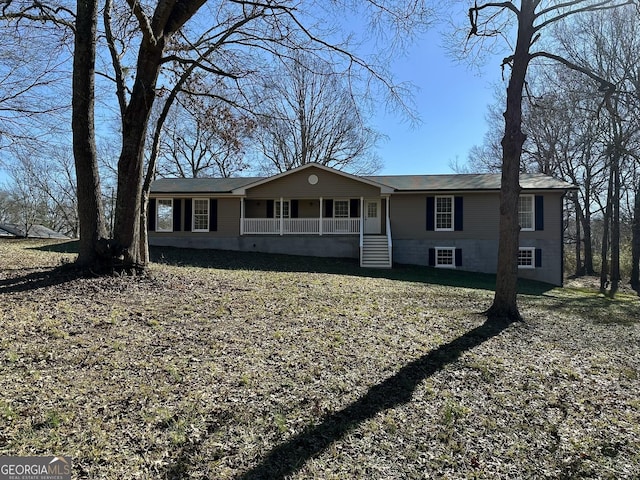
[[375, 252]]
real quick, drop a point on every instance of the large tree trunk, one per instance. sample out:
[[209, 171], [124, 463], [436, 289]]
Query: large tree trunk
[[128, 225], [90, 209], [168, 17], [505, 307]]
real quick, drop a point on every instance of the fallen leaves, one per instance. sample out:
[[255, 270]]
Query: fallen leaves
[[203, 373]]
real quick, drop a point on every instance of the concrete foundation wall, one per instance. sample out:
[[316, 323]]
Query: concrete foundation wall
[[346, 246], [482, 256]]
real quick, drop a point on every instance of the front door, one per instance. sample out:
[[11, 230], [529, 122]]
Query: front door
[[372, 217]]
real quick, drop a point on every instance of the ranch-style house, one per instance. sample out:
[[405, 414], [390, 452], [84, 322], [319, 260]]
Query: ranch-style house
[[444, 221]]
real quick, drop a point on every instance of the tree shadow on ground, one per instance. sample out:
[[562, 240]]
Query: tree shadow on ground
[[233, 260], [598, 308], [289, 457], [38, 278]]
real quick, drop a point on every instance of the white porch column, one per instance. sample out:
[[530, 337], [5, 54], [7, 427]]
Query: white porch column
[[241, 216], [362, 214], [281, 217], [320, 218], [388, 205]]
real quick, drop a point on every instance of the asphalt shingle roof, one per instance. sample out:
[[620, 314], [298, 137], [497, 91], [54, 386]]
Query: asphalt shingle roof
[[479, 181], [406, 183], [35, 231], [201, 185]]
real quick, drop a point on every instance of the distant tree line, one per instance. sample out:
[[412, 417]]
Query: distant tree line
[[575, 133]]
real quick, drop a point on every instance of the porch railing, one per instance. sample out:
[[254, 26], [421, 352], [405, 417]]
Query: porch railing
[[301, 226]]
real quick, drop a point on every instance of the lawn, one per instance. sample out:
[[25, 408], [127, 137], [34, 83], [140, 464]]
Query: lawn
[[240, 366]]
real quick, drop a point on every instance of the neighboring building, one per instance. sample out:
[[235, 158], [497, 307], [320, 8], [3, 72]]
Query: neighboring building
[[35, 231], [447, 221]]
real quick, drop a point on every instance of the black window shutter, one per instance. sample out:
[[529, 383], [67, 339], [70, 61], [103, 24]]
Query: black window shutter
[[177, 211], [270, 209], [187, 214], [458, 257], [354, 203], [294, 208], [151, 215], [432, 257], [457, 213], [213, 214], [538, 257], [539, 212], [431, 205], [328, 208]]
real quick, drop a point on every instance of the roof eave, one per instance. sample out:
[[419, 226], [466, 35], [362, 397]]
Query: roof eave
[[383, 188]]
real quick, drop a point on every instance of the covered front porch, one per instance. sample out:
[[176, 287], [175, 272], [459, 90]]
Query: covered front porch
[[319, 216]]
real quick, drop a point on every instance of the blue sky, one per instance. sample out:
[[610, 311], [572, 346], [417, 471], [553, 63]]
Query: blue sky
[[452, 102], [451, 99]]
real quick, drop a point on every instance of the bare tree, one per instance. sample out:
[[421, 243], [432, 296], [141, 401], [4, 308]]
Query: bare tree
[[532, 17], [230, 39], [26, 202], [635, 240], [486, 157], [93, 249], [611, 48], [310, 114], [564, 127], [5, 206], [204, 137], [241, 29], [32, 79]]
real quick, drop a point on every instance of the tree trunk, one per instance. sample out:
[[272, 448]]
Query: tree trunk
[[93, 245], [579, 267], [588, 241], [505, 307], [635, 244], [153, 161], [144, 237], [615, 225], [606, 221], [128, 214]]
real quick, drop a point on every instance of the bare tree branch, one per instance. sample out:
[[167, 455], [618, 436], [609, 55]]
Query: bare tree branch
[[143, 21], [115, 59], [604, 5], [605, 85]]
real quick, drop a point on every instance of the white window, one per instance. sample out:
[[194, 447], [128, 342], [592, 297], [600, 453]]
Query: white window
[[200, 214], [164, 215], [285, 209], [526, 212], [527, 257], [444, 213], [341, 209], [445, 257]]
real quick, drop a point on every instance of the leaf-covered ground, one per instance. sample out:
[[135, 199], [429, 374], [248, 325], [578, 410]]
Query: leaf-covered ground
[[238, 370]]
